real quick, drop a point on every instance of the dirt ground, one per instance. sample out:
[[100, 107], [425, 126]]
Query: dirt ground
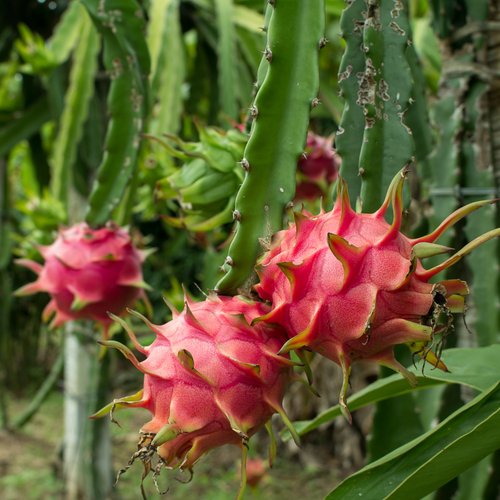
[[30, 466]]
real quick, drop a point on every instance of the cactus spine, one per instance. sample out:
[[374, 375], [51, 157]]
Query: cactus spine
[[281, 112]]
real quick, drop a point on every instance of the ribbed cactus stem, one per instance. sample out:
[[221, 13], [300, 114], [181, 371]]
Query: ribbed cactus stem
[[281, 113], [264, 65], [349, 138], [385, 90]]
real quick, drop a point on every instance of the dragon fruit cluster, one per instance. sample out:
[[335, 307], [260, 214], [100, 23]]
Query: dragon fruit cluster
[[88, 272], [346, 285]]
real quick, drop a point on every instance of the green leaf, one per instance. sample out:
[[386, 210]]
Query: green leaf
[[477, 368], [76, 105], [472, 482], [418, 468], [25, 126], [247, 18]]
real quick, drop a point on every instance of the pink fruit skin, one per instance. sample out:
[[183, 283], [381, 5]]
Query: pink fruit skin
[[211, 379], [349, 286], [307, 191], [88, 272], [256, 471], [321, 162]]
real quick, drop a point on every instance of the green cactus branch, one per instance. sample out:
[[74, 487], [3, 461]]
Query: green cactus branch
[[281, 113], [385, 91], [349, 138], [376, 83], [76, 106], [126, 58]]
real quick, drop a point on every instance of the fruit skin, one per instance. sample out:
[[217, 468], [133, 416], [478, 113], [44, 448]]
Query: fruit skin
[[351, 286], [88, 272], [256, 471], [210, 379], [320, 161], [317, 168]]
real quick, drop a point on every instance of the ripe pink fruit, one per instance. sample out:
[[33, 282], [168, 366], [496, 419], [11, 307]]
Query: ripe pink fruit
[[256, 471], [307, 191], [210, 379], [350, 286], [88, 272], [321, 161]]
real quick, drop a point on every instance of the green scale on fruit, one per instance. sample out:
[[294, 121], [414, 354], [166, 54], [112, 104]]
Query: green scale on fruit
[[205, 185]]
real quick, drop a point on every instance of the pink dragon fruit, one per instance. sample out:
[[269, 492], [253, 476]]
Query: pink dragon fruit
[[256, 471], [317, 169], [307, 191], [350, 286], [88, 272], [320, 161], [210, 379]]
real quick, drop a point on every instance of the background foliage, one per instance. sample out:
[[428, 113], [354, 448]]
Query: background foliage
[[68, 110]]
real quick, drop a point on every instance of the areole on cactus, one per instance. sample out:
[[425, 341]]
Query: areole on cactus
[[350, 286], [209, 379], [88, 272]]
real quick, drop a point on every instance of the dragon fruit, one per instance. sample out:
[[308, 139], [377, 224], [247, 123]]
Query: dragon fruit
[[88, 272], [320, 161], [256, 471], [209, 379], [316, 169], [350, 286]]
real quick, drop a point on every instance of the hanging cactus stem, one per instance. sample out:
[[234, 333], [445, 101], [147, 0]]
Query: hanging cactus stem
[[283, 101]]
